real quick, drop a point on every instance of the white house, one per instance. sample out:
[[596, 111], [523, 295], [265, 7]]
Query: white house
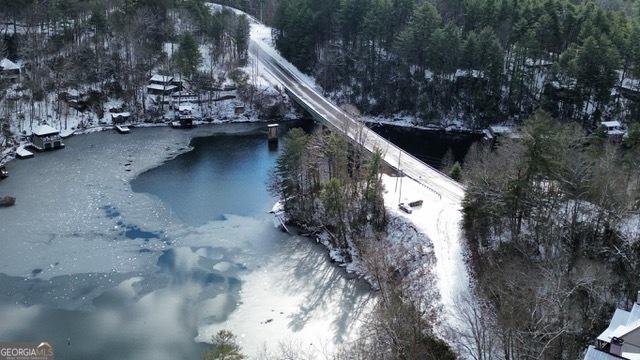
[[621, 339]]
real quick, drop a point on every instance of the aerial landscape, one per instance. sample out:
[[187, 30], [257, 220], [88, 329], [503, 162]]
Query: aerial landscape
[[306, 179]]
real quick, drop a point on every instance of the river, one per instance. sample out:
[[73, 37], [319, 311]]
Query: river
[[143, 246]]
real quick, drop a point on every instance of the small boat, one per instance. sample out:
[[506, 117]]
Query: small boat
[[7, 201], [3, 173], [23, 153], [122, 129]]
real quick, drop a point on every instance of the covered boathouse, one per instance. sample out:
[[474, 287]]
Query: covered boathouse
[[44, 137]]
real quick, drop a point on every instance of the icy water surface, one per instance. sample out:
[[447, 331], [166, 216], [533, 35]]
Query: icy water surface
[[133, 247]]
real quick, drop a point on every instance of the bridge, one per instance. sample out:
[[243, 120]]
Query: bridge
[[303, 92], [439, 218]]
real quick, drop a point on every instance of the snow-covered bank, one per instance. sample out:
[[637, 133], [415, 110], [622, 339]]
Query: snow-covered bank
[[439, 219], [424, 241], [414, 123], [9, 154], [405, 247]]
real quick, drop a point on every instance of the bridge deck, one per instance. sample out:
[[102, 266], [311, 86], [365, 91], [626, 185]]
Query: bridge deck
[[322, 109]]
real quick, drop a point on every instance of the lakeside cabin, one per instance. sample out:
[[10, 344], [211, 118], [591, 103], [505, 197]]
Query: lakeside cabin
[[44, 137], [615, 131], [183, 117], [162, 85], [121, 117], [10, 71]]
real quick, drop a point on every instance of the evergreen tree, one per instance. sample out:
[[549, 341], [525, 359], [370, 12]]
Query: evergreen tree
[[241, 38], [412, 42], [188, 57], [456, 171], [596, 64], [225, 347]]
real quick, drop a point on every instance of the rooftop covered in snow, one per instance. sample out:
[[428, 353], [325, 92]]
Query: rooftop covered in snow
[[6, 64], [161, 79], [44, 130], [611, 124], [595, 354], [622, 323], [162, 87]]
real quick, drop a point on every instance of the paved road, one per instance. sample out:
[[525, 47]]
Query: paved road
[[314, 102]]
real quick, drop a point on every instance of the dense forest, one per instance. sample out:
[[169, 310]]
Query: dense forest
[[553, 226], [476, 61]]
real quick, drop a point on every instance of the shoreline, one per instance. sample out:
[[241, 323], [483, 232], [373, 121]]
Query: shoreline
[[449, 130], [8, 155]]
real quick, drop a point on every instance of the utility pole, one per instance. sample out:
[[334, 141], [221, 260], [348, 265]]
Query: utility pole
[[399, 176]]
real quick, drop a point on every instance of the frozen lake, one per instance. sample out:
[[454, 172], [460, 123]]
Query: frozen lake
[[144, 245]]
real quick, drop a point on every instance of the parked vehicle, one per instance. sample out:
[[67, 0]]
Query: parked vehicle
[[406, 208]]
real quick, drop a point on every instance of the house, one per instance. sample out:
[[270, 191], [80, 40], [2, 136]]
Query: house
[[596, 354], [184, 97], [162, 85], [183, 117], [10, 71], [120, 117], [538, 63], [614, 130], [630, 88], [621, 339], [44, 137]]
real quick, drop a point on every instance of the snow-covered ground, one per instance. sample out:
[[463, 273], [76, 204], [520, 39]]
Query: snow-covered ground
[[411, 121], [439, 219]]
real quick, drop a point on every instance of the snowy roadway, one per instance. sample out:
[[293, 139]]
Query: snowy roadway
[[440, 216]]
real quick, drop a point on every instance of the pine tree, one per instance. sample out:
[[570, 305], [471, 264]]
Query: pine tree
[[456, 171], [225, 347], [188, 57]]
